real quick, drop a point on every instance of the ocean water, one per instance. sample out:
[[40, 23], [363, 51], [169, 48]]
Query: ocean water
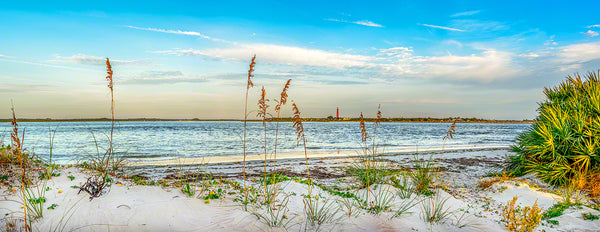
[[157, 140]]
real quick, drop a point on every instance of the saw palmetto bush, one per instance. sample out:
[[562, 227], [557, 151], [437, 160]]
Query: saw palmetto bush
[[563, 144]]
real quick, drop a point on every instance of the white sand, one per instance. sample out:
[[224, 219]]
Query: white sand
[[131, 207]]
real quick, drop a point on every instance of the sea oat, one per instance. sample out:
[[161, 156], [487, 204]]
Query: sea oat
[[300, 137], [248, 86], [363, 129], [18, 151], [109, 78], [451, 130], [262, 113]]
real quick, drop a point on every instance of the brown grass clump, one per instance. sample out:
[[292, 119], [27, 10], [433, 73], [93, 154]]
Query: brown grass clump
[[593, 184], [520, 219], [17, 150], [484, 184], [248, 86]]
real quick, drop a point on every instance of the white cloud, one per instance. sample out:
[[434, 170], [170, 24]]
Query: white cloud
[[361, 22], [284, 55], [530, 55], [592, 26], [579, 53], [397, 52], [95, 60], [487, 66], [441, 27], [590, 33], [179, 32], [466, 13], [387, 63]]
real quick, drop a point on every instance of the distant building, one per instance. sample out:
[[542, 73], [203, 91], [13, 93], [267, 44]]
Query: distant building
[[337, 115]]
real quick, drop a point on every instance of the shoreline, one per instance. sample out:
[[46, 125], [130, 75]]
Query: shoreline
[[296, 155]]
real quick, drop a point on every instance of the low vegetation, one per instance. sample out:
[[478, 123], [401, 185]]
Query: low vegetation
[[520, 219], [563, 143]]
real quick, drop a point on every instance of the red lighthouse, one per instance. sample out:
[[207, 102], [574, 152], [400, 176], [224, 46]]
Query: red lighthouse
[[337, 115]]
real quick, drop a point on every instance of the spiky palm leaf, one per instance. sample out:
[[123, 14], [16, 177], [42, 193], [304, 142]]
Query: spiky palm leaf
[[564, 140]]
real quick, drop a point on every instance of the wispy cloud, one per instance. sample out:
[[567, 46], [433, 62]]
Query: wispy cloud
[[453, 42], [162, 77], [389, 63], [95, 60], [360, 22], [466, 13], [550, 41], [530, 55], [590, 33], [472, 25], [442, 27], [11, 59], [279, 54], [20, 88], [592, 26], [368, 23], [179, 32]]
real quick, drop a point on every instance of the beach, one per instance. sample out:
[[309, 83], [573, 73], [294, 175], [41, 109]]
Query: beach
[[147, 198]]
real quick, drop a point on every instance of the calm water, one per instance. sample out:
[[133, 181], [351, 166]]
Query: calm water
[[165, 140]]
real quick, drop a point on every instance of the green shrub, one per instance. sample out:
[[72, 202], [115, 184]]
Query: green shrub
[[563, 144]]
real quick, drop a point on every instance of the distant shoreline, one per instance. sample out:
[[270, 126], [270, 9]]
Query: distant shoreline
[[414, 120]]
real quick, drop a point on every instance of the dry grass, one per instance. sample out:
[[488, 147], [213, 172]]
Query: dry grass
[[486, 183], [520, 219], [17, 150], [593, 185]]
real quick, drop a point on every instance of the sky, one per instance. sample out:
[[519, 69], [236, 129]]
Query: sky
[[189, 59]]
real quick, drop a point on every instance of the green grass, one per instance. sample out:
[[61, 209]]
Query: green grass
[[369, 173], [556, 210], [589, 216], [422, 175]]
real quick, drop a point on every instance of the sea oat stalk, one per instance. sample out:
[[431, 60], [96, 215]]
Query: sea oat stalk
[[109, 78], [248, 86], [301, 138], [364, 137], [18, 151], [262, 113], [280, 103]]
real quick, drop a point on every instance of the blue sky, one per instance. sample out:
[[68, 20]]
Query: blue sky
[[189, 59]]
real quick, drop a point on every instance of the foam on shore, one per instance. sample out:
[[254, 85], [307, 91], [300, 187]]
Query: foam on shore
[[300, 155]]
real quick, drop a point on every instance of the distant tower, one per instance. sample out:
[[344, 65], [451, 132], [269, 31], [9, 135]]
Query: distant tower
[[337, 115]]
